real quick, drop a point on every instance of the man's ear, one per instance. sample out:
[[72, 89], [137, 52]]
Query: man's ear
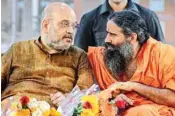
[[45, 26], [133, 37]]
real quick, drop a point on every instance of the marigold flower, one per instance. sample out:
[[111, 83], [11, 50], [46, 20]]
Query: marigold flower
[[53, 112], [23, 112], [46, 113]]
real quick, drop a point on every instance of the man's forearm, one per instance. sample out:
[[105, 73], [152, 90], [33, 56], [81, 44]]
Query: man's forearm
[[159, 96]]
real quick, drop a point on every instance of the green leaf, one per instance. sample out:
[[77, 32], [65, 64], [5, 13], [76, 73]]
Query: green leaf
[[25, 107], [78, 110]]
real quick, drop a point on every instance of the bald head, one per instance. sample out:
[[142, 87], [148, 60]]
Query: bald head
[[57, 26], [56, 8]]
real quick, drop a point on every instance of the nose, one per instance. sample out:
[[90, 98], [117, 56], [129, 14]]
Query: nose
[[70, 29], [108, 39]]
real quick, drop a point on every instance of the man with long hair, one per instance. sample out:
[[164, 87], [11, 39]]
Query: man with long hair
[[141, 68]]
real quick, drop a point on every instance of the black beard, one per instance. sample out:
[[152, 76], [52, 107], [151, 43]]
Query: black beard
[[116, 58]]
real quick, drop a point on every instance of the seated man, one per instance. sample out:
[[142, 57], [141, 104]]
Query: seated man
[[137, 65], [49, 67]]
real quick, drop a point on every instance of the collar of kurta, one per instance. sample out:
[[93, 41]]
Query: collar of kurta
[[39, 43], [107, 8]]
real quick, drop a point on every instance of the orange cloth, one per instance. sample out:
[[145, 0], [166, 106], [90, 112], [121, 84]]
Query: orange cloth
[[150, 110], [102, 75], [155, 67]]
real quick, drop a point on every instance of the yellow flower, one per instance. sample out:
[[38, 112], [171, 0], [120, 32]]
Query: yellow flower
[[23, 112], [53, 112], [46, 113], [87, 112], [91, 102]]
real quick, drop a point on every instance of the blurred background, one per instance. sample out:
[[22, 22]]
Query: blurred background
[[20, 19]]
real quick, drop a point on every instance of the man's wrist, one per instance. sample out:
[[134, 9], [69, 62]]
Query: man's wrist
[[135, 85]]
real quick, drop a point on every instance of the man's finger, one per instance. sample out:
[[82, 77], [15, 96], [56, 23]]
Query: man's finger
[[118, 98], [128, 100], [55, 96], [58, 100]]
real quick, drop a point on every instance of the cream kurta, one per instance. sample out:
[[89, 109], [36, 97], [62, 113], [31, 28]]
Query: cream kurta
[[29, 69]]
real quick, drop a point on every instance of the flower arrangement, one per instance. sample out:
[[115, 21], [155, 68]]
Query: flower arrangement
[[88, 107], [89, 102], [31, 107]]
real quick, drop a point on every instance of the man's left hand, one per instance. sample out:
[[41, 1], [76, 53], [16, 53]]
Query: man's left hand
[[126, 86]]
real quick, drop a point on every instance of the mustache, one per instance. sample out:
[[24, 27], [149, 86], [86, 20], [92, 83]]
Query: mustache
[[68, 36], [109, 46]]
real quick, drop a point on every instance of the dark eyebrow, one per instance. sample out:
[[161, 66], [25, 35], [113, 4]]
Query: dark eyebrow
[[111, 33]]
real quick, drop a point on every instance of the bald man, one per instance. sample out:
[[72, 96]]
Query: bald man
[[49, 67]]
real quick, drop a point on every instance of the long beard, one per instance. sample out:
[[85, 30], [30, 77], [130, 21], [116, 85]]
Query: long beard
[[116, 58]]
